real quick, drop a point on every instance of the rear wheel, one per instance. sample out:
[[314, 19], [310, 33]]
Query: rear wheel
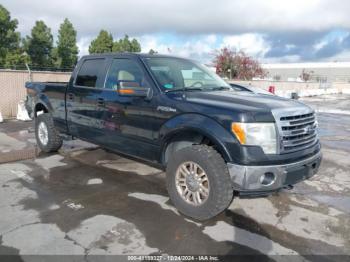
[[47, 137], [198, 182]]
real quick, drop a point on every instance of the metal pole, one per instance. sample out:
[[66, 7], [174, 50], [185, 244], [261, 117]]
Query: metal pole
[[30, 73]]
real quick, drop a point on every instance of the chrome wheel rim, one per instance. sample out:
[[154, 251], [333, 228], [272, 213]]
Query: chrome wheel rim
[[192, 183], [43, 133]]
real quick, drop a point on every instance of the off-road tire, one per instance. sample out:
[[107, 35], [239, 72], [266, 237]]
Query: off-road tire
[[54, 140], [221, 190]]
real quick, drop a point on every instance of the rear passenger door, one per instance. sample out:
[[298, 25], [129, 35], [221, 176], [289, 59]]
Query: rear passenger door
[[84, 112]]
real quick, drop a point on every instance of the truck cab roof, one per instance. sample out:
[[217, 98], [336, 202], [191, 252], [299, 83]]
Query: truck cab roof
[[130, 54]]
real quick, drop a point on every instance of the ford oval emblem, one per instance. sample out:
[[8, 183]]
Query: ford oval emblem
[[309, 129]]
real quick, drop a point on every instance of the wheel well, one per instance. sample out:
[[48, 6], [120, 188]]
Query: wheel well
[[40, 109], [185, 139]]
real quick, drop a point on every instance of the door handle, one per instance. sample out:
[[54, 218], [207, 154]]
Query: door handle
[[100, 102], [70, 96]]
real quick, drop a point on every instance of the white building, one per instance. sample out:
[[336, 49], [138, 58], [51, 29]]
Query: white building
[[318, 72]]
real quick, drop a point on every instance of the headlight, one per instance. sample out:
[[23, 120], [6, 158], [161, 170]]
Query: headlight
[[257, 134]]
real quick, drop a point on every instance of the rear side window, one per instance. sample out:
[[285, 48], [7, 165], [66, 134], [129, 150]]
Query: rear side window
[[91, 73]]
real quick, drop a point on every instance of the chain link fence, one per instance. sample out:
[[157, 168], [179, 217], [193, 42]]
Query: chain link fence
[[12, 87]]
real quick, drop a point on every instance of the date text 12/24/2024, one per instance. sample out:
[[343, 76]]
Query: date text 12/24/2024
[[173, 258]]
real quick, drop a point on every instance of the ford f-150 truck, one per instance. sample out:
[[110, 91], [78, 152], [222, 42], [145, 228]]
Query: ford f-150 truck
[[214, 141]]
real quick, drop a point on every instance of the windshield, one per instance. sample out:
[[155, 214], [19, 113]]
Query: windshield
[[174, 73]]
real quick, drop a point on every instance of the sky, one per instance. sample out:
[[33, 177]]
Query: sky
[[272, 31]]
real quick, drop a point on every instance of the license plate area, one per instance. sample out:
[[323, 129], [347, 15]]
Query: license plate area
[[301, 173]]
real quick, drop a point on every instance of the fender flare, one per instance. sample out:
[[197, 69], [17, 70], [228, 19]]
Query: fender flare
[[44, 100], [201, 124]]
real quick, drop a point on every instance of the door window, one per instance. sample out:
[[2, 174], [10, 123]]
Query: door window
[[125, 70], [91, 73]]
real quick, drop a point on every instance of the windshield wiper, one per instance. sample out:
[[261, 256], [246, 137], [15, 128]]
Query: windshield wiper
[[221, 88], [184, 89]]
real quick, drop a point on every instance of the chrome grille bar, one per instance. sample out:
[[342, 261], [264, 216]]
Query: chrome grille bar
[[296, 128], [298, 123], [298, 142]]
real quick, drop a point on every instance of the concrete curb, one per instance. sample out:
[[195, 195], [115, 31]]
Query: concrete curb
[[18, 155], [333, 111], [312, 92]]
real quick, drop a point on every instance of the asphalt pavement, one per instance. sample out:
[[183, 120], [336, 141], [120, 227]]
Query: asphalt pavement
[[84, 203]]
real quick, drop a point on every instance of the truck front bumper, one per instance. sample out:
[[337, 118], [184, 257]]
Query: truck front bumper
[[262, 180]]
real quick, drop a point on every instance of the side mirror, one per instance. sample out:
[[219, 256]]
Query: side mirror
[[132, 88]]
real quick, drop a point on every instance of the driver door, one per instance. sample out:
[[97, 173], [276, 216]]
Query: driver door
[[129, 121]]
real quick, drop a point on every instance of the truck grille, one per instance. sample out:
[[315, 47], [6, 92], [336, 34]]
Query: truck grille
[[297, 132]]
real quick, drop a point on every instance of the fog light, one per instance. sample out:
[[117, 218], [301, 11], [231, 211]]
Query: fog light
[[267, 179]]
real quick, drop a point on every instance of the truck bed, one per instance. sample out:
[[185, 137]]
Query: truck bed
[[51, 92], [42, 85]]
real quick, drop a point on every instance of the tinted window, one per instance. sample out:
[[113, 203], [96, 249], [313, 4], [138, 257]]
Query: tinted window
[[90, 72], [125, 70]]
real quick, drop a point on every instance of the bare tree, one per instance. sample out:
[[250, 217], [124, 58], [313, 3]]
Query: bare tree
[[306, 76]]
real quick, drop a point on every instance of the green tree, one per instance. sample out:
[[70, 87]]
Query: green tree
[[66, 55], [9, 38], [125, 45], [152, 52], [135, 45], [17, 59], [55, 58], [102, 44], [39, 45]]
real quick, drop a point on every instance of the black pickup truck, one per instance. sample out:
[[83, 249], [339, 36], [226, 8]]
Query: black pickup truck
[[214, 141]]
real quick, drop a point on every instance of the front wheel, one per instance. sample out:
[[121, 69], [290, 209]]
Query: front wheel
[[198, 182], [47, 137]]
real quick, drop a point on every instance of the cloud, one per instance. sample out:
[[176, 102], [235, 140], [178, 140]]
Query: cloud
[[187, 17], [83, 45], [199, 48], [253, 44], [332, 44], [310, 46], [271, 30]]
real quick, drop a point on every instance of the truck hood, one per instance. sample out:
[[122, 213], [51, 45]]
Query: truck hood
[[243, 101], [244, 106]]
